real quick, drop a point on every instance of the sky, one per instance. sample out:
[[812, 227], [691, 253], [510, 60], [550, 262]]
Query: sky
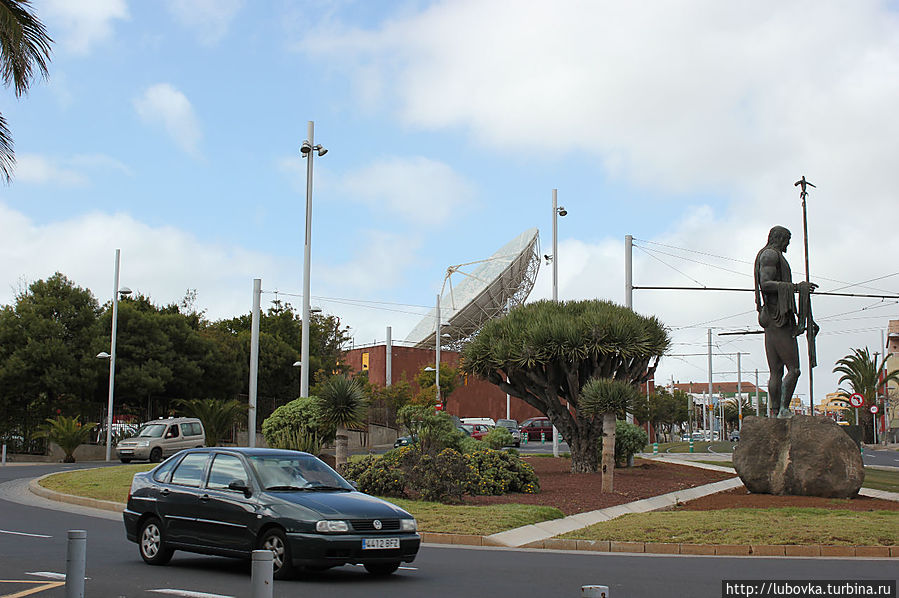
[[170, 130]]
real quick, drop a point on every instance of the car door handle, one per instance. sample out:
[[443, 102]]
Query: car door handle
[[204, 498], [164, 492]]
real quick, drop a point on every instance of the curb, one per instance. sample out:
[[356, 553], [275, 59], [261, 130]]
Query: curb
[[107, 505]]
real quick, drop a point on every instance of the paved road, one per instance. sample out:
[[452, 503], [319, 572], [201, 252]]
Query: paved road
[[114, 568], [886, 457]]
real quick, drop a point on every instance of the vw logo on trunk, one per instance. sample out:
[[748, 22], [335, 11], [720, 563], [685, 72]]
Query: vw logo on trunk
[[377, 524]]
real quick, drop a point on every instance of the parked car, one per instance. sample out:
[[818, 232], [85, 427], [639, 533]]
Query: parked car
[[404, 441], [734, 436], [231, 501], [477, 431], [487, 421], [534, 426], [512, 426], [162, 438]]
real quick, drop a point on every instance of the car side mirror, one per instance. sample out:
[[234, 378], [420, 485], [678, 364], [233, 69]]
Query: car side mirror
[[239, 486]]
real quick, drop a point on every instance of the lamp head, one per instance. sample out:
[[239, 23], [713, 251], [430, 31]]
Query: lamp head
[[103, 355], [124, 291], [548, 258], [306, 148], [321, 151], [563, 211], [297, 364]]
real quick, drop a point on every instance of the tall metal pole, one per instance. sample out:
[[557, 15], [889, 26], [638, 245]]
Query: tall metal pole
[[555, 287], [254, 362], [710, 372], [628, 271], [758, 404], [810, 333], [307, 259], [739, 394], [437, 350], [115, 322], [388, 358]]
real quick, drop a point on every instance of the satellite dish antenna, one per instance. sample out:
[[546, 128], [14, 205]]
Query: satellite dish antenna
[[490, 289]]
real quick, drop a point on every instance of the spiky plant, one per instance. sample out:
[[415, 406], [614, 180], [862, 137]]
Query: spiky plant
[[341, 403], [605, 397], [68, 433], [218, 416]]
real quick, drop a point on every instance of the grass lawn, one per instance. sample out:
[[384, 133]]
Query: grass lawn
[[879, 479], [751, 526], [112, 483]]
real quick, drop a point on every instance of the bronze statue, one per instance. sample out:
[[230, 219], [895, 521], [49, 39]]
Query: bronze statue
[[776, 304]]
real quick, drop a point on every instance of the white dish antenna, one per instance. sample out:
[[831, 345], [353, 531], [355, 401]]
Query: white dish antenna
[[483, 290]]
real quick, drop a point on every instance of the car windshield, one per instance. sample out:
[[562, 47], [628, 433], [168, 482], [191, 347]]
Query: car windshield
[[151, 430], [508, 423], [296, 472]]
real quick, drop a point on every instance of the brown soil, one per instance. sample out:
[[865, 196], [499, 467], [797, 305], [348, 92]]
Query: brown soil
[[739, 498], [578, 493]]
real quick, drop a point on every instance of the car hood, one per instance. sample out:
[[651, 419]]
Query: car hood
[[349, 505]]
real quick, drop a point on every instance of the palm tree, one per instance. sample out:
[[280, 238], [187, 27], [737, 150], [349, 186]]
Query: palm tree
[[606, 397], [24, 47], [218, 416], [341, 403], [866, 376], [68, 433]]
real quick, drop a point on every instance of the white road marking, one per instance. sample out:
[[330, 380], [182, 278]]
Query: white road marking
[[47, 574], [4, 531], [188, 593], [403, 568]]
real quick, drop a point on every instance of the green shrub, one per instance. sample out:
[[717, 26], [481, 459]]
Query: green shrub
[[299, 416], [376, 475], [497, 472], [296, 440], [629, 440], [498, 437], [441, 478]]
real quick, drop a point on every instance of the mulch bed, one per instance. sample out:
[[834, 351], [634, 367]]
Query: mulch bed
[[739, 498], [578, 493]]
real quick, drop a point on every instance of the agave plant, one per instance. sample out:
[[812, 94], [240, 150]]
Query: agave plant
[[68, 433], [297, 440]]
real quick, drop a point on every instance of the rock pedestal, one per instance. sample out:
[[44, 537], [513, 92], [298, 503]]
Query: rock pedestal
[[801, 456]]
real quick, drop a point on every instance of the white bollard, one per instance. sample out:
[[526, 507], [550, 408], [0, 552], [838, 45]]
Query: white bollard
[[3, 460], [76, 552], [594, 591], [261, 583]]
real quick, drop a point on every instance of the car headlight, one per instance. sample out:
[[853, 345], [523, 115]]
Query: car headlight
[[142, 443], [329, 526], [408, 525]]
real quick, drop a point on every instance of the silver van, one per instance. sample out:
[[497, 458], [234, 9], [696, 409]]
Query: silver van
[[162, 438]]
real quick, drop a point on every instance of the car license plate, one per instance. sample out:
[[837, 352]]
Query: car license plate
[[380, 543]]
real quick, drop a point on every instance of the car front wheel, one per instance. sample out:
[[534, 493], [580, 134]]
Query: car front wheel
[[124, 460], [156, 455], [276, 541], [382, 568], [151, 542]]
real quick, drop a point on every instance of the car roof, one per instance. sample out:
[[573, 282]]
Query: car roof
[[245, 450]]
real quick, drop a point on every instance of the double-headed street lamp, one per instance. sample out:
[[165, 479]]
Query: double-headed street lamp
[[307, 150], [557, 211], [111, 355]]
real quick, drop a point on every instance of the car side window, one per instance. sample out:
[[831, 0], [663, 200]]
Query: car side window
[[196, 429], [189, 430], [162, 472], [190, 471], [225, 469], [172, 432]]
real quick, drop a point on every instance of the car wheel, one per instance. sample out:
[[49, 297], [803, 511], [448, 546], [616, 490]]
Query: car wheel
[[156, 455], [275, 540], [124, 460], [151, 543], [382, 568]]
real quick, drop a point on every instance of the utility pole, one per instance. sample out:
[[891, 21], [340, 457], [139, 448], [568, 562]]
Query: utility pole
[[709, 397], [758, 404], [739, 394]]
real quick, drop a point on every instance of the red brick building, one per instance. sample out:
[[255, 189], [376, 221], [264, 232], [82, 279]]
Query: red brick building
[[472, 398]]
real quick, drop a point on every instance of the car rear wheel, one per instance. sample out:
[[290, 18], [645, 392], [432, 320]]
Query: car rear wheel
[[382, 568], [276, 541], [156, 455], [151, 543]]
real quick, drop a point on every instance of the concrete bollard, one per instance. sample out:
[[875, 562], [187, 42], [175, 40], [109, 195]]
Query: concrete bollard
[[76, 552], [594, 591], [261, 580], [3, 460], [655, 448], [691, 445]]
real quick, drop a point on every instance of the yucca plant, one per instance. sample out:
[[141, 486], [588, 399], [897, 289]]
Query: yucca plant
[[218, 416], [297, 440], [606, 397], [341, 403], [68, 433]]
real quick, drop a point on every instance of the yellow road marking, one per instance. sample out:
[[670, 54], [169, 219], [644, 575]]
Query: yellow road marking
[[40, 586]]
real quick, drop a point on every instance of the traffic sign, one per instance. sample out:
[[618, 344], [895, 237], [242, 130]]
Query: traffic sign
[[874, 409], [856, 400]]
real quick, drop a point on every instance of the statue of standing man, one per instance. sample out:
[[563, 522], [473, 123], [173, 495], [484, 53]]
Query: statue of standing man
[[776, 303]]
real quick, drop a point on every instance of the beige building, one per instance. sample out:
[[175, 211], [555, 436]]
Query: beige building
[[892, 351]]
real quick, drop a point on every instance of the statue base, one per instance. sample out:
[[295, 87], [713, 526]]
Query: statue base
[[800, 456]]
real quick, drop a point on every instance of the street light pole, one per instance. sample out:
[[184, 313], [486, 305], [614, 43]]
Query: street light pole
[[557, 211], [307, 150], [437, 350], [111, 356]]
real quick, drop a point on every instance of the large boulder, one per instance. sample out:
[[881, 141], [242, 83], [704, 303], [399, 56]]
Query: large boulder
[[802, 456]]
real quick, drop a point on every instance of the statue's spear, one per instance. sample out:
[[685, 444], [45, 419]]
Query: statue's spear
[[810, 326]]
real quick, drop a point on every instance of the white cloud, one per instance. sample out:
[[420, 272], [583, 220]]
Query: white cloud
[[417, 189], [211, 19], [163, 104], [81, 25], [72, 171]]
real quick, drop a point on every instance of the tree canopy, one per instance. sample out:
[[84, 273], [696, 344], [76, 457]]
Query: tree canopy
[[548, 350]]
